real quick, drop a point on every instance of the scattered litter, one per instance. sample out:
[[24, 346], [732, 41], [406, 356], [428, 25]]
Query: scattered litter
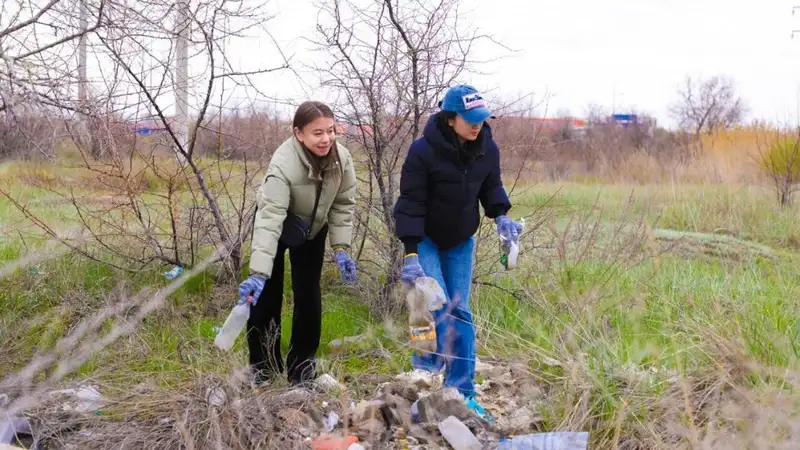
[[347, 340], [326, 381], [328, 442], [175, 272], [411, 411], [216, 396], [331, 420], [421, 379], [88, 399], [458, 435], [561, 440], [438, 406], [12, 428]]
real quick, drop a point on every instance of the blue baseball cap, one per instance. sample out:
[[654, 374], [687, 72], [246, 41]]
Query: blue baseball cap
[[467, 102]]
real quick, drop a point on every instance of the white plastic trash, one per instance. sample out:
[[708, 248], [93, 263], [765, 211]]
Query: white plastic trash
[[558, 440], [234, 325], [513, 253]]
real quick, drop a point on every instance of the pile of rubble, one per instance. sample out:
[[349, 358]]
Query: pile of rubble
[[410, 411], [415, 412]]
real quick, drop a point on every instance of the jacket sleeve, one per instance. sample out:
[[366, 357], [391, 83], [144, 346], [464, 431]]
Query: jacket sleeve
[[493, 195], [411, 206], [340, 216], [273, 202]]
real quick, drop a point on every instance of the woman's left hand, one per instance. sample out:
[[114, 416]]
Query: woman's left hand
[[508, 229], [347, 267]]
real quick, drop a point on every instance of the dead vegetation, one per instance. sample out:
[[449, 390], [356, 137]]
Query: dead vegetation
[[717, 408]]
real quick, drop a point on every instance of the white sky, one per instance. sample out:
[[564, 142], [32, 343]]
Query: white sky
[[621, 53], [583, 51]]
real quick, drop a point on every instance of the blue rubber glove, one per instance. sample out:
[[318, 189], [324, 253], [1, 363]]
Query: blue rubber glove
[[347, 267], [508, 230], [251, 287], [411, 269]]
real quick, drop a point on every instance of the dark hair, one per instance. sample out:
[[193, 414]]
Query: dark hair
[[310, 111], [447, 115]]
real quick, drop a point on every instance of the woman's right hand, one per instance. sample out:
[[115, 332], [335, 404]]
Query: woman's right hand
[[251, 289], [411, 269]]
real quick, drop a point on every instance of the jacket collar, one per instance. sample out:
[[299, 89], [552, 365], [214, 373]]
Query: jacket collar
[[302, 153], [446, 140]]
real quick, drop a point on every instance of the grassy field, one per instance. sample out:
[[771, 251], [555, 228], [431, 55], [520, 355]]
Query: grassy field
[[654, 316]]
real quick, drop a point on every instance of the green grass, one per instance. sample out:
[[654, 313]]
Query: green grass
[[609, 335]]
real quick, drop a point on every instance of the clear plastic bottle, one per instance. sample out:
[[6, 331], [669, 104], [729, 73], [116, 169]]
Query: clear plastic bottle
[[234, 324], [558, 440], [424, 297]]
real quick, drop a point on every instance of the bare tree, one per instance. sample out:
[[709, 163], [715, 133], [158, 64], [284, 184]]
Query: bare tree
[[707, 105], [390, 63], [159, 209]]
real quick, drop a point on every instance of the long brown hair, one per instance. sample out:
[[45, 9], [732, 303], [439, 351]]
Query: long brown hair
[[310, 111]]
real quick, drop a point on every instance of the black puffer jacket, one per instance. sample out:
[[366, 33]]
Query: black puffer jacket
[[441, 184]]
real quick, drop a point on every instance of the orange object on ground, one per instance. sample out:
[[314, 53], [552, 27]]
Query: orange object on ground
[[328, 442]]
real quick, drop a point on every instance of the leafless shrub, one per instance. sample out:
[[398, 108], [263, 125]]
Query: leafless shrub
[[779, 160], [26, 135]]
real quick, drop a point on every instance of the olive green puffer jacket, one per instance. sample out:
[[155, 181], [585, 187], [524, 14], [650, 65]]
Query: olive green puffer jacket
[[290, 184]]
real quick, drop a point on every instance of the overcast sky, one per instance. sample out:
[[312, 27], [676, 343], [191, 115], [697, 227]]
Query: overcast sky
[[618, 53]]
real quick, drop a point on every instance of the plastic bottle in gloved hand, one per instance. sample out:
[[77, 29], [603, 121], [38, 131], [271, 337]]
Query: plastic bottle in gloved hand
[[249, 291], [509, 241], [422, 298], [234, 324]]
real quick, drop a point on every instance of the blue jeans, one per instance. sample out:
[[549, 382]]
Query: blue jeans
[[455, 333]]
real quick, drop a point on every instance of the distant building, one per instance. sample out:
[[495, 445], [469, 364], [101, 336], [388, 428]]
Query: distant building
[[644, 123]]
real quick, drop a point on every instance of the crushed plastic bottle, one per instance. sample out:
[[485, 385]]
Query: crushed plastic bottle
[[233, 325], [559, 440], [424, 297]]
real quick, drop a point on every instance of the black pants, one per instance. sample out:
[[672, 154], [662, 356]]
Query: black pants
[[264, 325]]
